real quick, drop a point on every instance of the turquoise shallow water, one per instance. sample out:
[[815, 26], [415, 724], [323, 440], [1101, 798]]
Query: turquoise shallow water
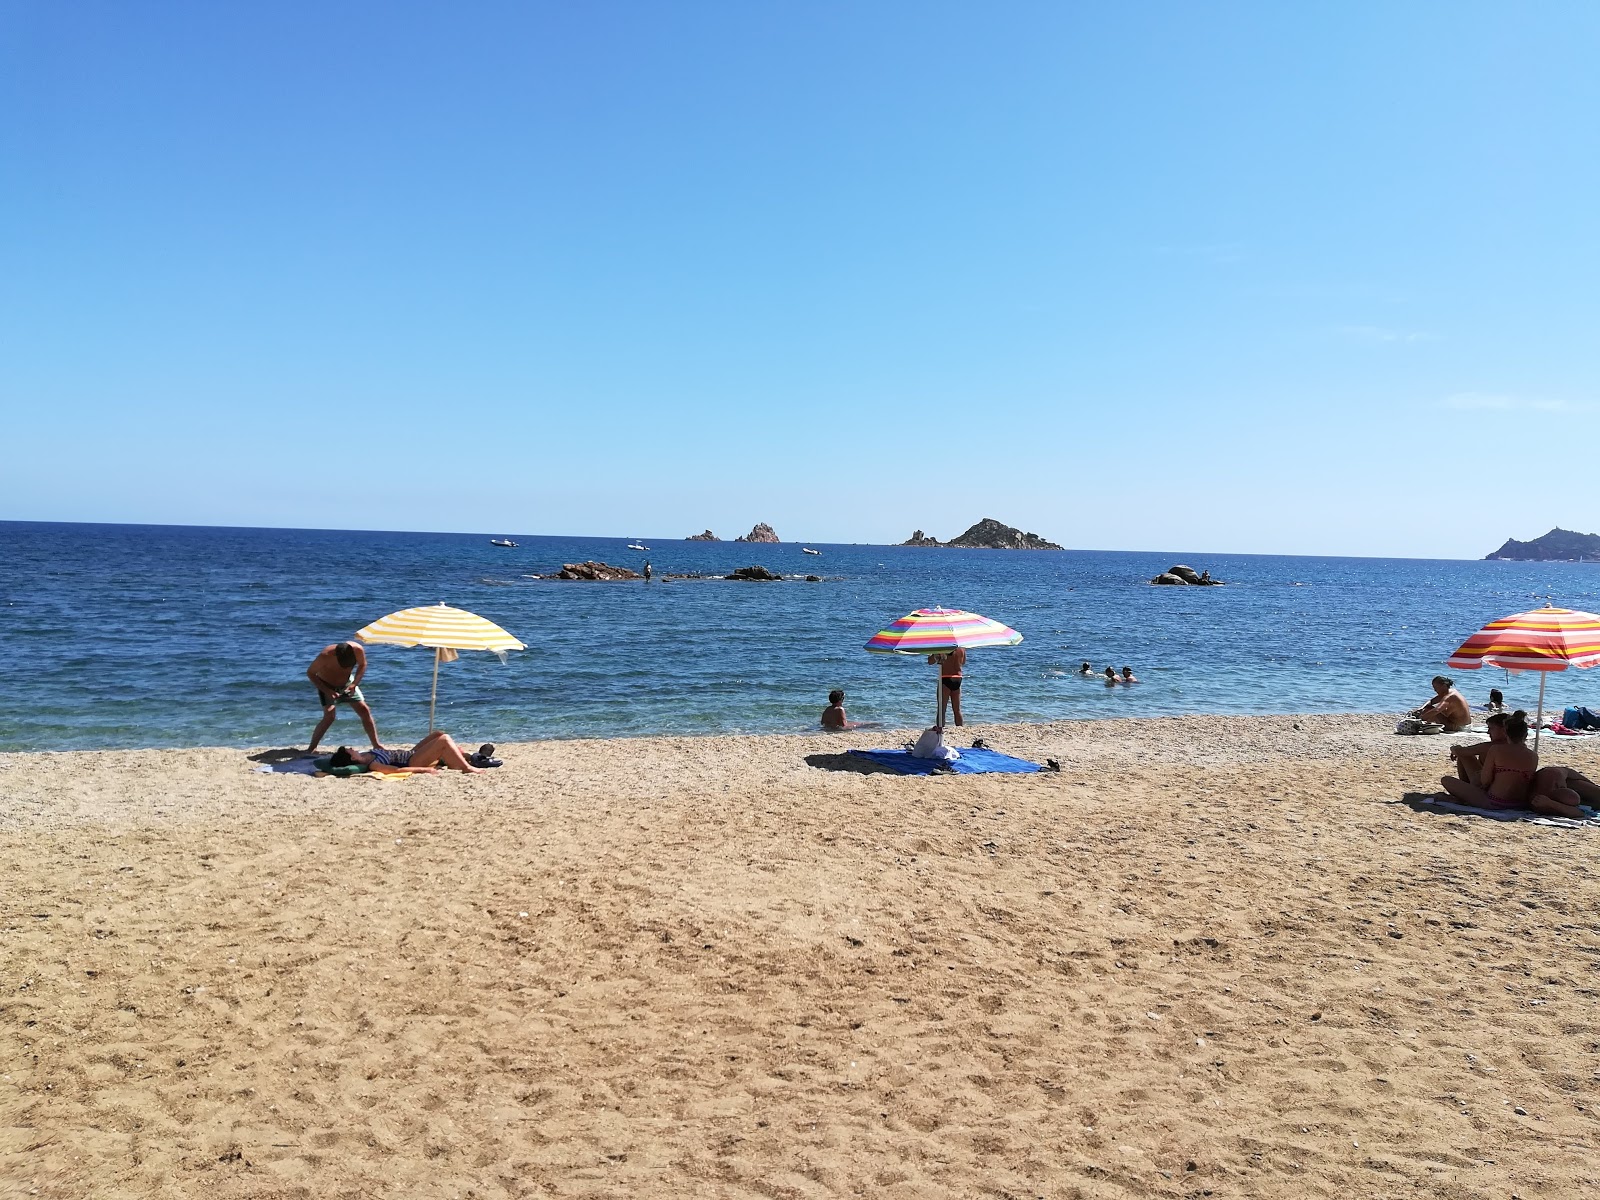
[[133, 636]]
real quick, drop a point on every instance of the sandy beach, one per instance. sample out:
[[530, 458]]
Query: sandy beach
[[1210, 957]]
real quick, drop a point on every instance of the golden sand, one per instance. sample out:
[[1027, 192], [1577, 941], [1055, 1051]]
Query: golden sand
[[1210, 957]]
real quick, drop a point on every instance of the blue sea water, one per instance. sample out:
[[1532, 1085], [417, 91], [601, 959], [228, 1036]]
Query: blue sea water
[[120, 636]]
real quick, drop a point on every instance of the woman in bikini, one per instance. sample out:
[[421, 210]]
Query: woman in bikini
[[435, 750], [950, 664], [1469, 759], [1505, 772]]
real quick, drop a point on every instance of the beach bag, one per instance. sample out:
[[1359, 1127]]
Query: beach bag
[[1412, 725], [1587, 718], [931, 745]]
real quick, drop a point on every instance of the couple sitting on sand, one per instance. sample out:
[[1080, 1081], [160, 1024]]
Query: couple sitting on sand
[[1503, 775]]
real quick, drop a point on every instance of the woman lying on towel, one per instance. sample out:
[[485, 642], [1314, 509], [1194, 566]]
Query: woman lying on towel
[[1497, 774], [435, 750]]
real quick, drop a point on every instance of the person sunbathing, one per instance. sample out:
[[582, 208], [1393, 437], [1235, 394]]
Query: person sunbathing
[[436, 750], [1505, 772], [1558, 791], [1448, 706], [1469, 758]]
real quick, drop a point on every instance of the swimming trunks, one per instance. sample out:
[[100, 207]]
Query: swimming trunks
[[392, 758], [327, 699], [951, 682]]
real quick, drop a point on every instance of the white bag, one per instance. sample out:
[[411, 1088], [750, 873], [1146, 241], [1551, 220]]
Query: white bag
[[931, 745]]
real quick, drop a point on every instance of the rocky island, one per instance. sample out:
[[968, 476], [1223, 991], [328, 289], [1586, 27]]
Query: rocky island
[[1559, 545], [594, 571], [761, 533], [987, 534], [707, 536], [1181, 575]]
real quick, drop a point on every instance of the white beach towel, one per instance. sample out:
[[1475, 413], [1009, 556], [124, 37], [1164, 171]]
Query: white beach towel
[[1532, 818]]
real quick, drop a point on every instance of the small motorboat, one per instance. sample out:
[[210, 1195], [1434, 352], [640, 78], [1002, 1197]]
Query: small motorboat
[[637, 546], [809, 550], [506, 542]]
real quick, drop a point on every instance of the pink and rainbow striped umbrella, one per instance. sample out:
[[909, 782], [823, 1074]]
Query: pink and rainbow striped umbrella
[[935, 630], [1547, 639]]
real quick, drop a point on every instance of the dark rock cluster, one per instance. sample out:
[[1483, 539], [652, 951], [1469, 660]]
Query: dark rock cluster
[[1186, 576], [595, 570]]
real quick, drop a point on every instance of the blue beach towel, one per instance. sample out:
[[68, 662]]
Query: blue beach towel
[[971, 762]]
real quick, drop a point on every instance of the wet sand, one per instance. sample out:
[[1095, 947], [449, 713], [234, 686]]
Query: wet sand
[[1212, 956]]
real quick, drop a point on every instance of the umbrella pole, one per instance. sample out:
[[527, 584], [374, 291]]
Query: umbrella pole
[[1539, 720], [434, 699]]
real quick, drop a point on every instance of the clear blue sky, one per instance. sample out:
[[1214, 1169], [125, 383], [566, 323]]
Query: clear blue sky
[[1234, 277]]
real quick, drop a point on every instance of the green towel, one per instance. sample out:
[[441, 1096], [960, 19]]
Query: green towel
[[326, 764]]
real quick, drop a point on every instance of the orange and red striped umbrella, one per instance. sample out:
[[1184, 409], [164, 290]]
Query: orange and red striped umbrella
[[1547, 639]]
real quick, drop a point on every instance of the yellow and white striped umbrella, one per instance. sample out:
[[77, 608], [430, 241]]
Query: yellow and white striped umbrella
[[439, 626], [444, 630]]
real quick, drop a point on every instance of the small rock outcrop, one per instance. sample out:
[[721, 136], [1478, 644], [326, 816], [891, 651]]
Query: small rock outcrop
[[761, 533], [707, 536], [918, 538], [1559, 545], [756, 574], [1185, 577], [813, 578], [594, 570], [989, 534]]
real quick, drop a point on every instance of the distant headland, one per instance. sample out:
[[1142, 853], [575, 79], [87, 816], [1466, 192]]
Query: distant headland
[[987, 534], [1559, 545]]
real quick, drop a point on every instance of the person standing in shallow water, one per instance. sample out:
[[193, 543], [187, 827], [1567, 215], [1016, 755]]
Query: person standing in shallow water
[[647, 572], [336, 674]]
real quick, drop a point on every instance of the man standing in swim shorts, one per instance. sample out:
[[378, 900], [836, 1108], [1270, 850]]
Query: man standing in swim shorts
[[336, 674], [950, 664]]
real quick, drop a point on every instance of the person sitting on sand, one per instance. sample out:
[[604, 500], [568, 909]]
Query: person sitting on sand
[[1127, 675], [1557, 792], [1505, 772], [336, 674], [1448, 706], [1469, 758], [436, 750]]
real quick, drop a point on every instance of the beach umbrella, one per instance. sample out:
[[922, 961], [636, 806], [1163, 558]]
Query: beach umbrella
[[1547, 639], [937, 630], [444, 630]]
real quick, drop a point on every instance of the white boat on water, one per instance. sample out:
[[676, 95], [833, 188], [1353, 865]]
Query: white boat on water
[[506, 542], [809, 550], [637, 546]]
